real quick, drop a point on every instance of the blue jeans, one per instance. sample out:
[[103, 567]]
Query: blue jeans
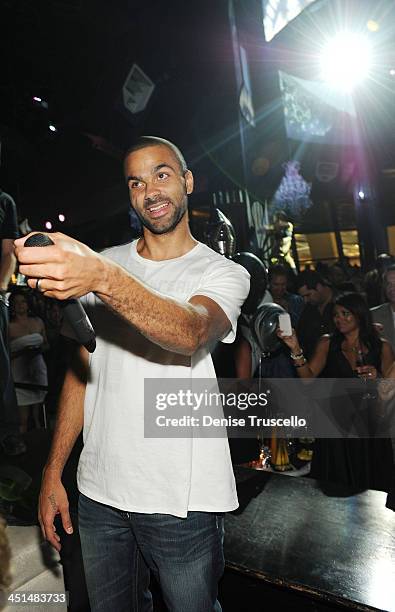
[[120, 549]]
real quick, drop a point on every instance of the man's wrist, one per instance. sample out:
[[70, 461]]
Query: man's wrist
[[53, 470], [102, 275]]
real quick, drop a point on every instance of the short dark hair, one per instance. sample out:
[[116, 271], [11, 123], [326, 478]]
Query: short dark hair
[[154, 141], [277, 270], [26, 294], [311, 279], [390, 268]]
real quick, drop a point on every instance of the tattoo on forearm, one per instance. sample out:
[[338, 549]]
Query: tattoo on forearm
[[52, 500]]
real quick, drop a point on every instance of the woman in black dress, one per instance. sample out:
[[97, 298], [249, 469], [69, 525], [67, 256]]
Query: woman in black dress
[[354, 349]]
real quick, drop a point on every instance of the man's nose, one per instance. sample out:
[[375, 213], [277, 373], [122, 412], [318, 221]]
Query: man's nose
[[152, 191]]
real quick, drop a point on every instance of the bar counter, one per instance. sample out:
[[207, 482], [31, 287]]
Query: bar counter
[[336, 548]]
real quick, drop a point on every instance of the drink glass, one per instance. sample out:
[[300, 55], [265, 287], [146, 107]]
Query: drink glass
[[361, 361]]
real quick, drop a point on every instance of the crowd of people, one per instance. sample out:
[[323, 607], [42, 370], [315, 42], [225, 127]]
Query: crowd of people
[[336, 335], [39, 351]]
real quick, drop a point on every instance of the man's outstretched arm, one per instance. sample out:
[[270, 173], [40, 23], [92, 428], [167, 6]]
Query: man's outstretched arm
[[70, 418], [71, 269]]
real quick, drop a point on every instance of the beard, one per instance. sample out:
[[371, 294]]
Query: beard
[[169, 224]]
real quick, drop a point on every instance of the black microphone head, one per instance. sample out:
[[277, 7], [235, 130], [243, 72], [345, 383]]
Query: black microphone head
[[38, 240]]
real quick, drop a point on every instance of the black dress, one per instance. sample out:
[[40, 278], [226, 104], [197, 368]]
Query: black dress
[[357, 463]]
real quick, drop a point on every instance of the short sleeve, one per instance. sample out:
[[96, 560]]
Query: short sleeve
[[226, 283], [9, 226]]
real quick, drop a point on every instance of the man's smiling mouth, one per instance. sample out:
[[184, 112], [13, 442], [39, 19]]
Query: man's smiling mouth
[[157, 210]]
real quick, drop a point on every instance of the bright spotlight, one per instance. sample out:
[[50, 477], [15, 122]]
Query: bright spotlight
[[361, 195], [61, 218], [346, 60], [52, 128], [48, 225], [373, 26]]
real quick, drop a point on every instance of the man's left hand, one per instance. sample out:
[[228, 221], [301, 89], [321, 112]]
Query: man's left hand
[[66, 269]]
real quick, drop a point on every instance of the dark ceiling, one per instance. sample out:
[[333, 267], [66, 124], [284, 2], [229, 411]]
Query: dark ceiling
[[75, 55]]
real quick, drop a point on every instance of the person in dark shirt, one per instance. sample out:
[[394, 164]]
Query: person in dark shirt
[[278, 281], [10, 441], [317, 316]]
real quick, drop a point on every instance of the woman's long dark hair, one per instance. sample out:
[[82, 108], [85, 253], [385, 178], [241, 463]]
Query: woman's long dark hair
[[26, 294], [368, 334]]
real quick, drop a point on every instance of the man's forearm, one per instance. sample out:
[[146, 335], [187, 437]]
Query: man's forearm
[[69, 269], [177, 327], [70, 416]]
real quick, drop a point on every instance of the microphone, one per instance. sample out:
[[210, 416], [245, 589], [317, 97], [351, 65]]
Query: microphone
[[73, 310]]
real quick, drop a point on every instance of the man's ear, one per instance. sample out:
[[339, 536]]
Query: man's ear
[[188, 181]]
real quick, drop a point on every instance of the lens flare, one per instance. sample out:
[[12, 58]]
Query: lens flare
[[346, 60]]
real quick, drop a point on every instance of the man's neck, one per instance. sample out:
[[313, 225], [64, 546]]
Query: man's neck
[[159, 247], [392, 304]]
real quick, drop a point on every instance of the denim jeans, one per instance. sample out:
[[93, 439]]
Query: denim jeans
[[120, 549]]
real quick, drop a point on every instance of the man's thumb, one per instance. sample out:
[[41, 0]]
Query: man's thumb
[[66, 522]]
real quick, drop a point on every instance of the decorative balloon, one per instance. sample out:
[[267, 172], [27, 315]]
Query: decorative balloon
[[258, 281], [264, 325]]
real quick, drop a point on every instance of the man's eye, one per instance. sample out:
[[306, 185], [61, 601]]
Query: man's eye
[[135, 185], [162, 175]]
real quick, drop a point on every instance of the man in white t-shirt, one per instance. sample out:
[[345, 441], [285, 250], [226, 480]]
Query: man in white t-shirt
[[157, 305]]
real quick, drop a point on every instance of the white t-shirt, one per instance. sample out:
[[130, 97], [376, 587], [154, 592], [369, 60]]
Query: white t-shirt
[[118, 466]]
